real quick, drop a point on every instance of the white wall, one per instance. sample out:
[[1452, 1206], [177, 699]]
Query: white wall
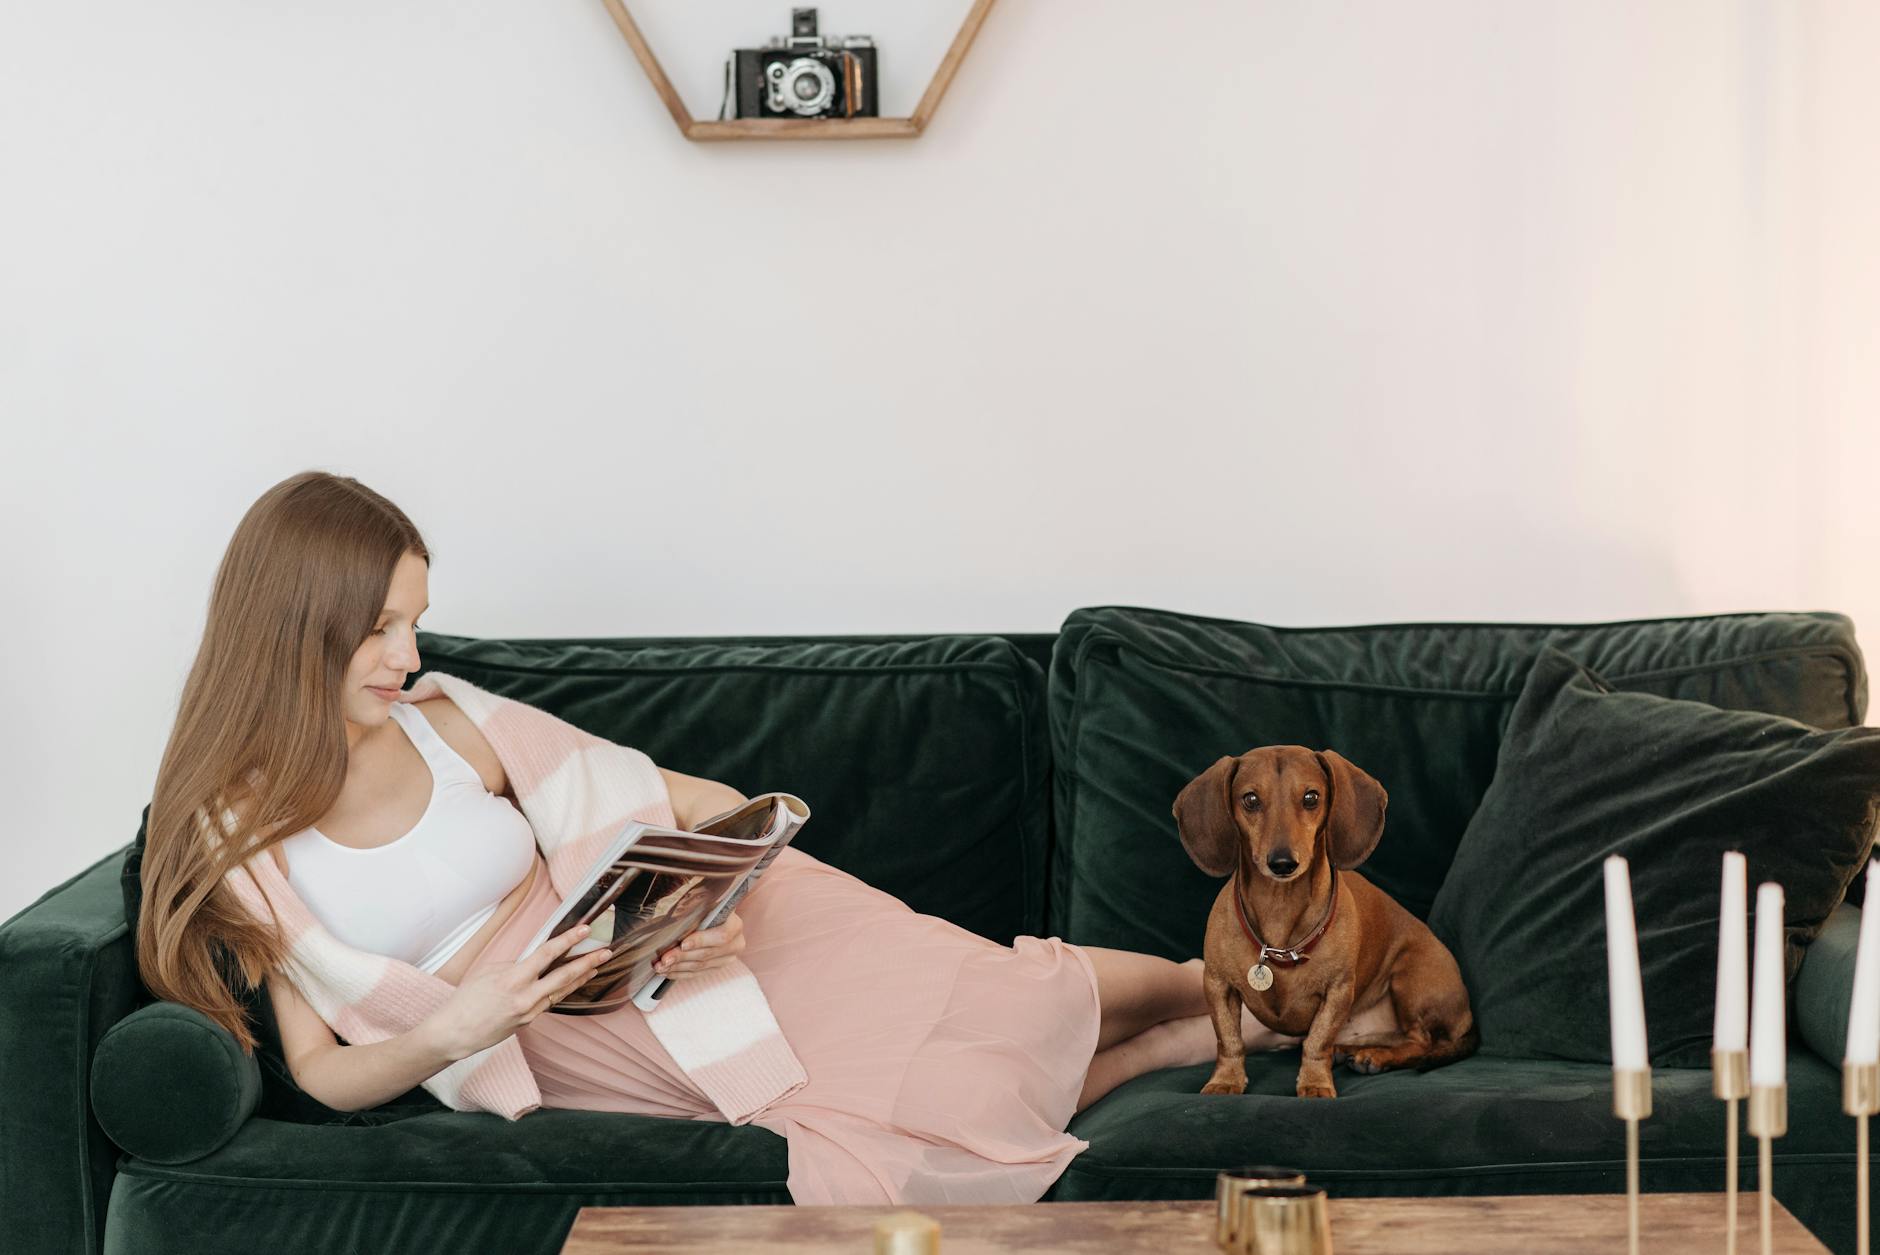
[[1304, 312]]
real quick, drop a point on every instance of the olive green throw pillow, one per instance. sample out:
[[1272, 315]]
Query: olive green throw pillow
[[1586, 771]]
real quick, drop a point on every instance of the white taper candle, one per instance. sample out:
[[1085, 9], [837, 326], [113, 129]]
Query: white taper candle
[[1622, 974], [1732, 1020], [1768, 1043], [1863, 1016]]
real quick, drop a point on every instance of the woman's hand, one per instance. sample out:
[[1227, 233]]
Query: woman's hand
[[703, 950], [494, 1001]]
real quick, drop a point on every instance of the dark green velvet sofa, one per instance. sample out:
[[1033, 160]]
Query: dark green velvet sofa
[[1013, 784]]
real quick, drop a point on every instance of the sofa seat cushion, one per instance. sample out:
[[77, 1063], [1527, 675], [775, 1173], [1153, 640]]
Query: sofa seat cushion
[[1481, 1126], [448, 1181], [1143, 700]]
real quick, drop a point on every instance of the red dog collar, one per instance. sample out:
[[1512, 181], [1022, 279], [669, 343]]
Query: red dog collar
[[1297, 954]]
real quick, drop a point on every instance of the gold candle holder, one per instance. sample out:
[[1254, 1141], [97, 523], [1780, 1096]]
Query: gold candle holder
[[1860, 1098], [1768, 1120], [1631, 1102], [1729, 1080], [1282, 1220], [1230, 1185], [907, 1233]]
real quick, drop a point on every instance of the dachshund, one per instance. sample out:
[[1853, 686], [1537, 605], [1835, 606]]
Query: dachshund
[[1306, 942]]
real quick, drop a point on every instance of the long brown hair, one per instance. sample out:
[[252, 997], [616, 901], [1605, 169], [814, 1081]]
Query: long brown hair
[[260, 730]]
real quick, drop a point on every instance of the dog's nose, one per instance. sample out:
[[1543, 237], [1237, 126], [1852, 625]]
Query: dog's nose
[[1282, 863]]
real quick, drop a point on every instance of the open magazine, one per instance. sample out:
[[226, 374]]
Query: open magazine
[[653, 886]]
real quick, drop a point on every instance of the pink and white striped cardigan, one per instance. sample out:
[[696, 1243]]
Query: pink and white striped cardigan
[[576, 790]]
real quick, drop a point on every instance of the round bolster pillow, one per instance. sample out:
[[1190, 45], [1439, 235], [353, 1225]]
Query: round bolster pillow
[[1823, 990], [168, 1084]]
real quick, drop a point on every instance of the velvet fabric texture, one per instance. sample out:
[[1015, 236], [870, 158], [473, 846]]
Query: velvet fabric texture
[[1143, 700], [448, 1181], [169, 1084], [1586, 772], [1824, 988], [68, 972], [925, 759]]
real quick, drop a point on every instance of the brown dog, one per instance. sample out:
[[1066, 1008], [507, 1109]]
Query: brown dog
[[1290, 824]]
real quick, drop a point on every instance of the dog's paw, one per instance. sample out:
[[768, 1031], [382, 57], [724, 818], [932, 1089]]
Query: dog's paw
[[1316, 1091], [1361, 1059], [1225, 1085]]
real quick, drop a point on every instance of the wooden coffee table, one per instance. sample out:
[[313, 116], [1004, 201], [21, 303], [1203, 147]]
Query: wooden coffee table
[[1539, 1224]]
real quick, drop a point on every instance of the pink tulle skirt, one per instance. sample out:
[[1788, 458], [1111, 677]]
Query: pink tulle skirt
[[942, 1066]]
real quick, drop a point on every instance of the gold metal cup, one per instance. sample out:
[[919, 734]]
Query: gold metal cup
[[1729, 1074], [907, 1233], [1860, 1088], [1768, 1110], [1230, 1185], [1283, 1220], [1632, 1093]]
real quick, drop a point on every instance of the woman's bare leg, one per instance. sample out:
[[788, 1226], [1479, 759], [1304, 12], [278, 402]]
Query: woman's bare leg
[[1140, 991], [1154, 1014], [1170, 1044], [1136, 991]]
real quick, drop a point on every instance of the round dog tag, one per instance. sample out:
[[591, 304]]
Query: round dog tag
[[1260, 976]]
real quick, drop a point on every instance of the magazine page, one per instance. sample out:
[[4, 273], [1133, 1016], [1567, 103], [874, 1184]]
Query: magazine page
[[747, 821], [790, 815], [660, 888]]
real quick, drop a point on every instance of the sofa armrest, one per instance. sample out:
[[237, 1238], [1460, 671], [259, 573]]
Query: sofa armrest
[[169, 1084], [68, 972], [1824, 987]]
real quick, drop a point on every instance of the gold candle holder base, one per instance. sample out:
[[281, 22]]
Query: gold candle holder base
[[1631, 1102], [907, 1233], [1729, 1080], [1860, 1098], [1768, 1120]]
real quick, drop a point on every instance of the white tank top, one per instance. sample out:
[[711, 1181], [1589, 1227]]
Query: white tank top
[[419, 898]]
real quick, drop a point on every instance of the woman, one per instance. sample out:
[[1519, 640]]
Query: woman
[[942, 1066]]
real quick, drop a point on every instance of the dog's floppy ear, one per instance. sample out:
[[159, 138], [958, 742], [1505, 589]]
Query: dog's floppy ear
[[1204, 818], [1354, 818]]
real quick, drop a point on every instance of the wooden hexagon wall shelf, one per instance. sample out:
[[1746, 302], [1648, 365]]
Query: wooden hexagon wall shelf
[[803, 128]]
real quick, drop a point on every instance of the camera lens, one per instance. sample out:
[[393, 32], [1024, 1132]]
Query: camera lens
[[803, 87]]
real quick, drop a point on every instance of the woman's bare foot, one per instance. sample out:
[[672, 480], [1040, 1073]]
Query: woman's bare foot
[[1190, 1040]]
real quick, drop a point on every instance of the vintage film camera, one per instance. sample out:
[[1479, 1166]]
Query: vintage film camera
[[805, 76]]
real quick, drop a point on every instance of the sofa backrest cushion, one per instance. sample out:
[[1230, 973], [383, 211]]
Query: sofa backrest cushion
[[1142, 700], [924, 760]]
